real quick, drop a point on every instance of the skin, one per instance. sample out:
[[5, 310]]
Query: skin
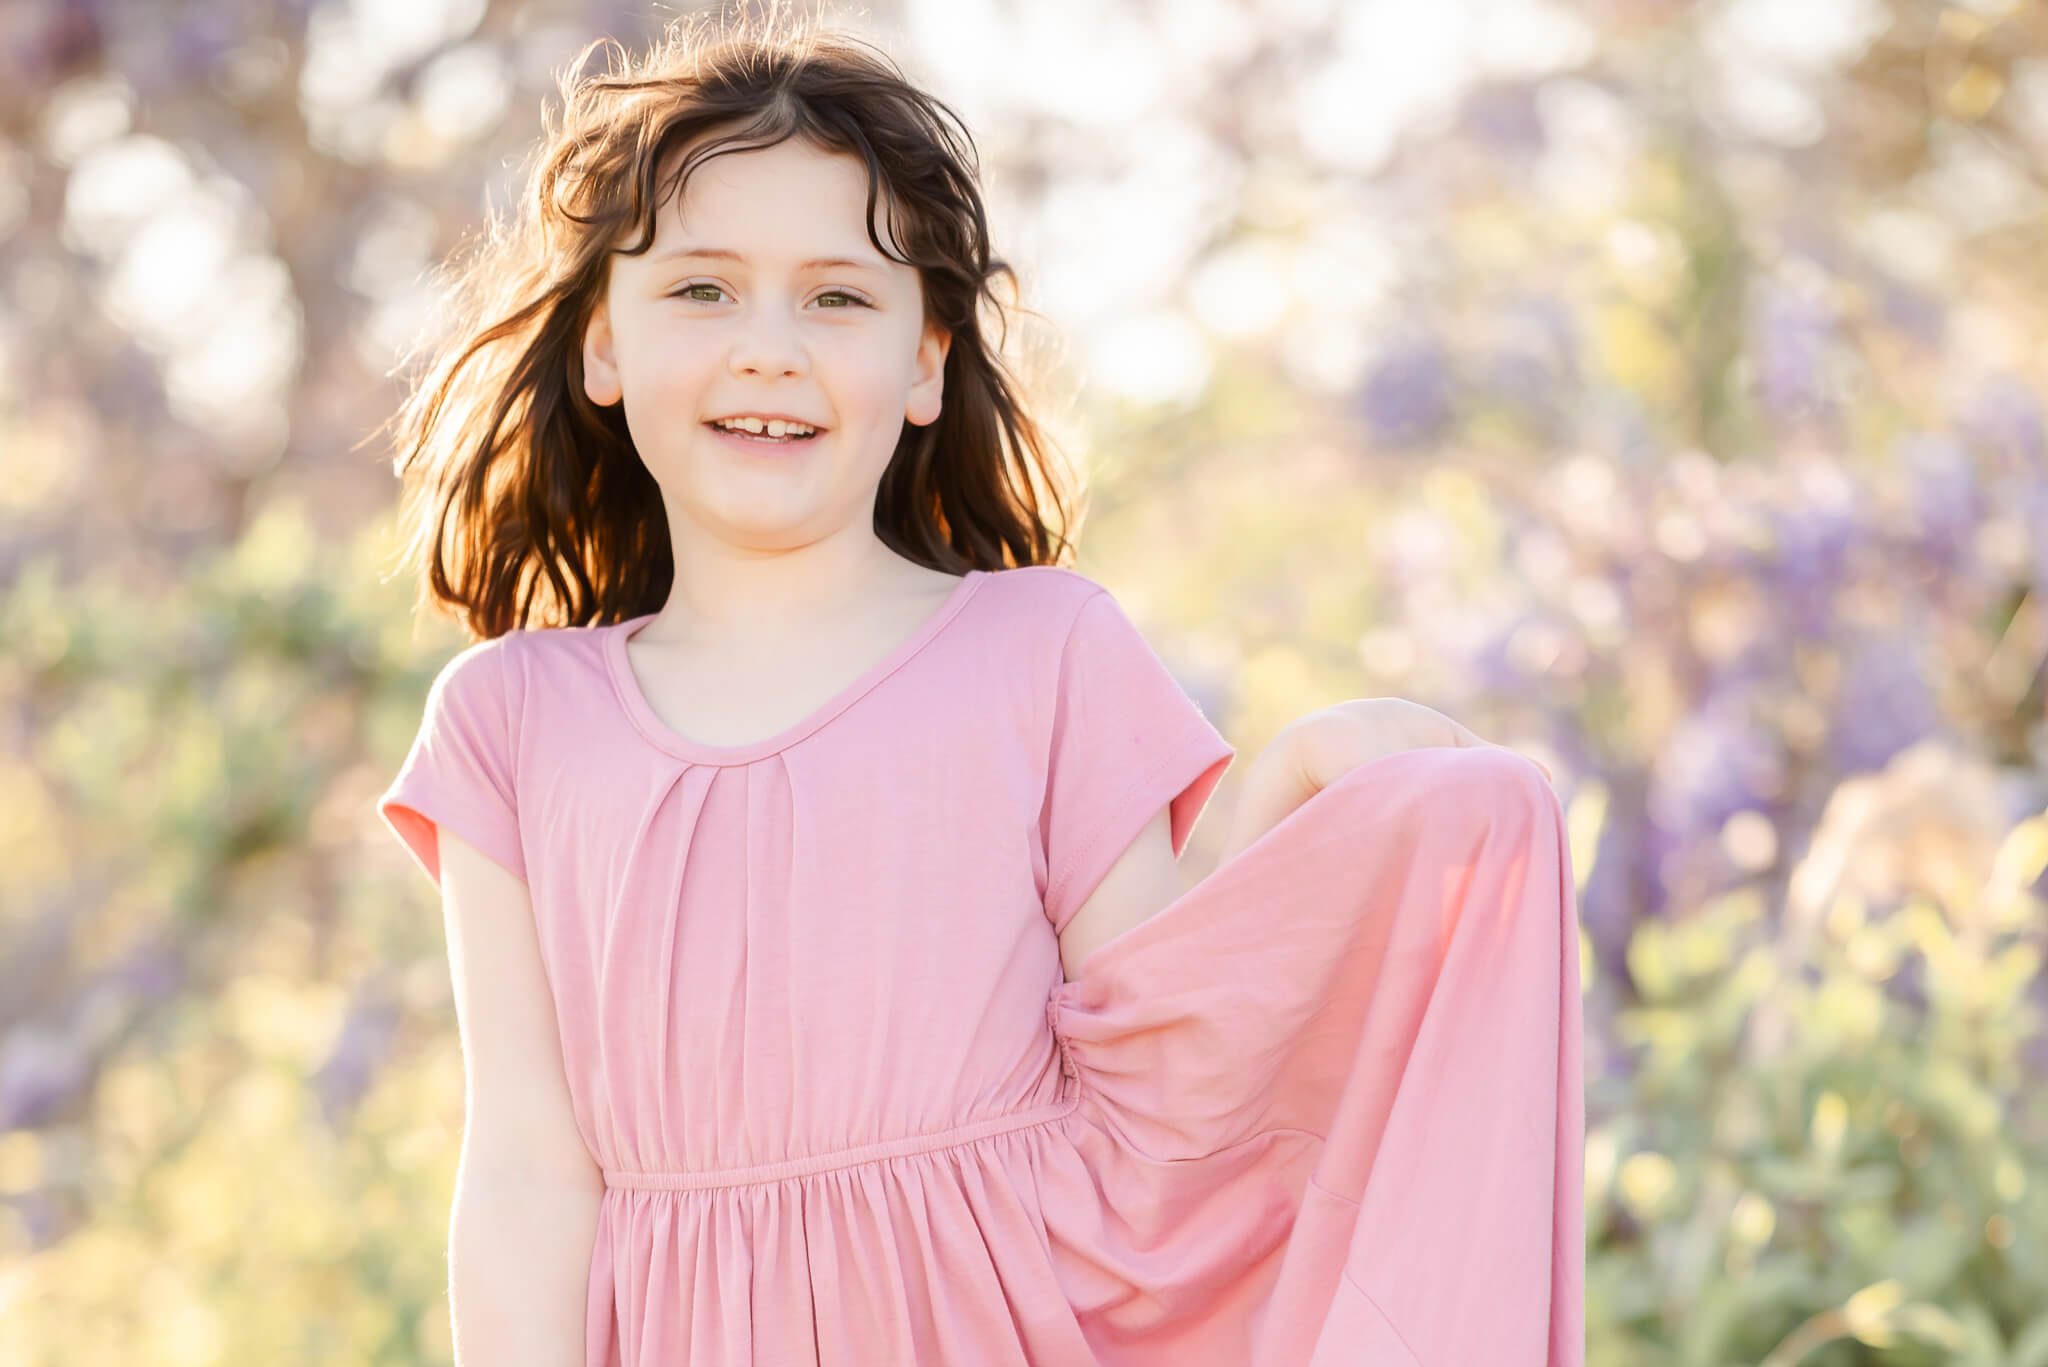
[[778, 545]]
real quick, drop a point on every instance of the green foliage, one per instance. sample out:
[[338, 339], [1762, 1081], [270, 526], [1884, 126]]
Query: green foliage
[[1811, 1166], [216, 1188]]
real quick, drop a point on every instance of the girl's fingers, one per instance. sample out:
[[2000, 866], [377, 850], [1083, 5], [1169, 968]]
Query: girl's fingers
[[1463, 736]]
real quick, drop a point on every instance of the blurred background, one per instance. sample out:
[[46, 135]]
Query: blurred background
[[1654, 387]]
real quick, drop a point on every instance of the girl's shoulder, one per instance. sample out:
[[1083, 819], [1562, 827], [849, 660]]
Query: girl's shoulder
[[520, 642], [1047, 588], [527, 659], [1051, 577], [1041, 608], [477, 666]]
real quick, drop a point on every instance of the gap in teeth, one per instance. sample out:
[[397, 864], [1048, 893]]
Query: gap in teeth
[[775, 427]]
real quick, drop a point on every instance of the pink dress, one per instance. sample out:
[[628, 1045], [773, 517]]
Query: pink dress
[[1324, 1108]]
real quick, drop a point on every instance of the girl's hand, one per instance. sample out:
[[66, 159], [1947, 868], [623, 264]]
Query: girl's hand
[[1312, 752], [1334, 741]]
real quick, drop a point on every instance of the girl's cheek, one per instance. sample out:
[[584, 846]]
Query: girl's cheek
[[864, 364]]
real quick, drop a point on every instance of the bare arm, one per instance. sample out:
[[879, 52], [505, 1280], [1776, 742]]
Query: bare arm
[[1284, 776], [527, 1191], [1146, 877], [1313, 751]]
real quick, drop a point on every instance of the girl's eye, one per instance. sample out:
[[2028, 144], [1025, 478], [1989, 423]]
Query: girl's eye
[[690, 292]]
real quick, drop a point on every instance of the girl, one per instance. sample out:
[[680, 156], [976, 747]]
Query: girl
[[806, 832]]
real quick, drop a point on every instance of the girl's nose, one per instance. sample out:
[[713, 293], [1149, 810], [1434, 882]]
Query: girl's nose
[[767, 345]]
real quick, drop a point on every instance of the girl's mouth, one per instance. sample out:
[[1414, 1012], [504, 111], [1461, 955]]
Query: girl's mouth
[[763, 439]]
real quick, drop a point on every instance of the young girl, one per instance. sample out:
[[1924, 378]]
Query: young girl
[[806, 833]]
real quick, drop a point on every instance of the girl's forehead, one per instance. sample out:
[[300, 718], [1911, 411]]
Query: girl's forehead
[[832, 185], [793, 166]]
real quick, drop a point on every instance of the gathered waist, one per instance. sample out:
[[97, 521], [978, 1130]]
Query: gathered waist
[[811, 1164]]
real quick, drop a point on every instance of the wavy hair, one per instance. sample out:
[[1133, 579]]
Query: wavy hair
[[528, 505]]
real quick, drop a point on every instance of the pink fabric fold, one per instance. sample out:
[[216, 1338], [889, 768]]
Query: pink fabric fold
[[1332, 1097]]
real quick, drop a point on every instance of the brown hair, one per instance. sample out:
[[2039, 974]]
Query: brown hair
[[553, 518]]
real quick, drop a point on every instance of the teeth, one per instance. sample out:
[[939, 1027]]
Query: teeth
[[774, 427]]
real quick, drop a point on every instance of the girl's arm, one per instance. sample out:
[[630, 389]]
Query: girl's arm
[[527, 1191], [1312, 752], [1280, 779]]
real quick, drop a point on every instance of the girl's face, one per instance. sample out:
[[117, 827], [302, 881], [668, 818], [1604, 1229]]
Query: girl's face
[[762, 296]]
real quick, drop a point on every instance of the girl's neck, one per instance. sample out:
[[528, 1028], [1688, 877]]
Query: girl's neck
[[769, 602]]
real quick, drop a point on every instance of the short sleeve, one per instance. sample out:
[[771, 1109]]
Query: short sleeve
[[1126, 741], [458, 773]]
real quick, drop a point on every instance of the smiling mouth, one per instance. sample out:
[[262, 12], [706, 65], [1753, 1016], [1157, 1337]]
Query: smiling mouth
[[763, 438]]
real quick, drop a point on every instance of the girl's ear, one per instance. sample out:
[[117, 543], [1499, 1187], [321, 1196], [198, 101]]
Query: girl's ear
[[928, 388], [600, 367]]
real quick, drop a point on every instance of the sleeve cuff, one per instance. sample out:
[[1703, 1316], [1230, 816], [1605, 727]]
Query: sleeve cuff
[[1182, 783]]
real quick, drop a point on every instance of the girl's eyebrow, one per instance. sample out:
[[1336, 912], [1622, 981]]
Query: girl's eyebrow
[[725, 254]]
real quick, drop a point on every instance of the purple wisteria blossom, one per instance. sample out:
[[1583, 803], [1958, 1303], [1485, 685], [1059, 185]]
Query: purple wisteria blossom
[[359, 1049], [41, 1069], [1885, 703], [2004, 416], [1789, 344], [1406, 399], [1942, 496], [1810, 557], [1717, 761]]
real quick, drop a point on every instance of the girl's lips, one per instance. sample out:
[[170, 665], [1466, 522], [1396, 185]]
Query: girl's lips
[[762, 445]]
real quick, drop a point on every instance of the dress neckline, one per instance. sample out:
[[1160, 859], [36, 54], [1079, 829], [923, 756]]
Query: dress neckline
[[658, 732]]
